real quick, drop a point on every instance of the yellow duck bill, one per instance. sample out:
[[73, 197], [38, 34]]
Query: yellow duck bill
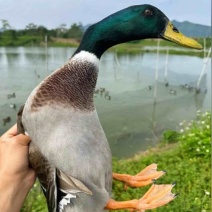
[[171, 33]]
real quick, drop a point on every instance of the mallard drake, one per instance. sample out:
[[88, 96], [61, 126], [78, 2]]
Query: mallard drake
[[69, 149]]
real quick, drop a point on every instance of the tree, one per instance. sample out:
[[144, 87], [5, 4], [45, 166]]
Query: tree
[[75, 31], [10, 33], [31, 26], [31, 29], [5, 24], [41, 30], [7, 31], [61, 30]]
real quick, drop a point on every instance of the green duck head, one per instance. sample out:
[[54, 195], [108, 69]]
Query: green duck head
[[133, 23]]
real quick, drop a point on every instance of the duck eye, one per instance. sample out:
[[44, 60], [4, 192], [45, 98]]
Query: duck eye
[[148, 12]]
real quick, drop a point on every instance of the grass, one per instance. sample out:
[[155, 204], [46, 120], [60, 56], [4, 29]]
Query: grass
[[134, 47], [185, 155], [58, 44], [20, 41], [137, 47]]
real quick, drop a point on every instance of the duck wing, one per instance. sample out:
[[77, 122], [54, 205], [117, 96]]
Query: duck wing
[[45, 171], [46, 174]]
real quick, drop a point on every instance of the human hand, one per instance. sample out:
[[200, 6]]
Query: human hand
[[16, 177]]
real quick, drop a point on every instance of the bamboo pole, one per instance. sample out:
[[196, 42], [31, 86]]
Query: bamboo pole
[[46, 53], [156, 72], [203, 68], [116, 59], [140, 69], [166, 66], [204, 47]]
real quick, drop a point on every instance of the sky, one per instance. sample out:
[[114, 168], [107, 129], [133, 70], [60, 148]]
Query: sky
[[53, 13]]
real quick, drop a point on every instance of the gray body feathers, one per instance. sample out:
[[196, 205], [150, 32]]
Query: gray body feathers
[[70, 152]]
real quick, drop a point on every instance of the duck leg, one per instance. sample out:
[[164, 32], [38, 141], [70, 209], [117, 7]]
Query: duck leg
[[156, 196], [143, 178]]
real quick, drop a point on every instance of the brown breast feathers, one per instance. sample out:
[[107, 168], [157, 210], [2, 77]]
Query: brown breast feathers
[[72, 85]]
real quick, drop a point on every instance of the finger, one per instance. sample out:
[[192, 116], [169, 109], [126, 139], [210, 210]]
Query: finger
[[13, 131], [23, 140]]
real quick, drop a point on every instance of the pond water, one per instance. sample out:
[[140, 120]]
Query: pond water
[[131, 120]]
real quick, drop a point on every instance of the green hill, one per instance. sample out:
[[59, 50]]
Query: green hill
[[193, 30]]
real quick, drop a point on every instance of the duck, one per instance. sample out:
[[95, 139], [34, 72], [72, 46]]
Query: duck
[[12, 95], [167, 84], [6, 120], [69, 150], [149, 87], [172, 91], [12, 105]]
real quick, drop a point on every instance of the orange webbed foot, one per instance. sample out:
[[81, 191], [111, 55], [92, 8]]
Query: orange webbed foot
[[156, 196], [143, 178]]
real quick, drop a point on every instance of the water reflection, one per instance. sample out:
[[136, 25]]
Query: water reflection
[[131, 121]]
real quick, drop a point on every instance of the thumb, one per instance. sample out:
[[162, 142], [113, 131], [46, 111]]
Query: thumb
[[23, 140]]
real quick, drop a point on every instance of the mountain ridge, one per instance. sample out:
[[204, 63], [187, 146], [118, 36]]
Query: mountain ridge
[[193, 29]]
